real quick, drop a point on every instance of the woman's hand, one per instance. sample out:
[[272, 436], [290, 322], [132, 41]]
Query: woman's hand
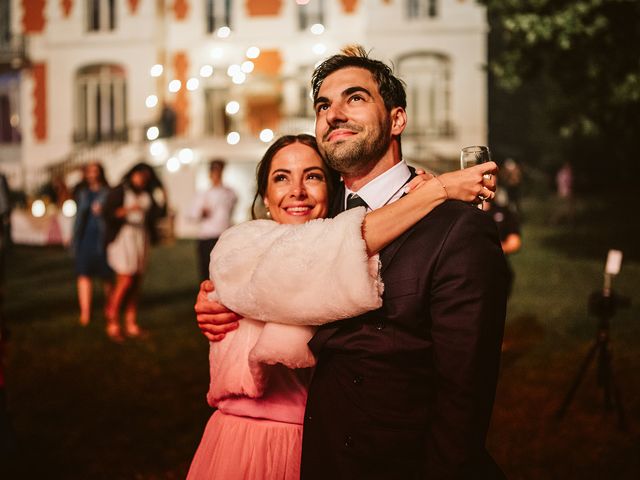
[[472, 184], [420, 179]]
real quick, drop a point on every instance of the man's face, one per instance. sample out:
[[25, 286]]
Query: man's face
[[353, 126]]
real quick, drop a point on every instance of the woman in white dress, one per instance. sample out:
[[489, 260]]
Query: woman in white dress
[[130, 213], [283, 276]]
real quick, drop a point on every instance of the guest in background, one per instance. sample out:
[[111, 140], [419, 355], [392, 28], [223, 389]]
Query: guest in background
[[88, 242], [7, 435], [212, 209], [131, 212], [168, 120], [56, 190], [508, 225], [511, 180], [565, 208]]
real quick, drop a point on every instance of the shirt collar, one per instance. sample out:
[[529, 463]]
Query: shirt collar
[[384, 188]]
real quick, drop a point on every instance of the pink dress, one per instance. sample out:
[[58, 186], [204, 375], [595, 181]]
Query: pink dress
[[289, 277]]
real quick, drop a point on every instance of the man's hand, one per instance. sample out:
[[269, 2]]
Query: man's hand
[[214, 319]]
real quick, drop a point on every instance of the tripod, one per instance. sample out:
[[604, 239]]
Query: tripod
[[603, 305]]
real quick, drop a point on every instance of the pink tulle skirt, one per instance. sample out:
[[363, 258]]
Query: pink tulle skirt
[[242, 448]]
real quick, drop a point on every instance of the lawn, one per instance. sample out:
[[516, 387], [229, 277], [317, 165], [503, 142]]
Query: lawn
[[86, 408]]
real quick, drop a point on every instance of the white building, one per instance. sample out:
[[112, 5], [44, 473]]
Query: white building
[[86, 79]]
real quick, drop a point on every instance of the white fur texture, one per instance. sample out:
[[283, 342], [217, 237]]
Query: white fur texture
[[291, 276]]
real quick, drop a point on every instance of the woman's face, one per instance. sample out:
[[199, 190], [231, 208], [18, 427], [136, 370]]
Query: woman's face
[[139, 179], [297, 187], [92, 173]]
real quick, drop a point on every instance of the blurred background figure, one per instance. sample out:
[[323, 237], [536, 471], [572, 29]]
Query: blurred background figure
[[511, 180], [88, 242], [167, 121], [212, 209], [131, 212], [6, 430], [564, 189], [508, 225], [5, 226], [56, 190]]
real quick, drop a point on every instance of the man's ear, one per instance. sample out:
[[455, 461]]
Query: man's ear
[[398, 120]]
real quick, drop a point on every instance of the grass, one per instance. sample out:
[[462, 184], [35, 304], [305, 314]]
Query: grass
[[84, 407]]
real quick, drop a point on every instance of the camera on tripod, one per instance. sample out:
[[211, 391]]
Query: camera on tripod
[[604, 304]]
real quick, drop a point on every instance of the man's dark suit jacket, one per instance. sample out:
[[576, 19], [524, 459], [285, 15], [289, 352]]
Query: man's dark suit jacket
[[406, 391]]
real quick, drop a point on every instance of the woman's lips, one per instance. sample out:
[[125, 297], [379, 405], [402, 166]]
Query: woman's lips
[[299, 210]]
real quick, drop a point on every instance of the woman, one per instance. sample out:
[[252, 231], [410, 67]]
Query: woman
[[88, 237], [308, 274], [131, 213]]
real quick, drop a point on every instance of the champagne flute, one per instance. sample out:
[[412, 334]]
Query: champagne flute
[[475, 155]]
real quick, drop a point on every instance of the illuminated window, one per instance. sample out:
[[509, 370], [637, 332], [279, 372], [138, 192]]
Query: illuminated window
[[218, 14], [305, 104], [422, 8], [312, 12], [427, 76], [101, 15], [217, 121], [100, 109]]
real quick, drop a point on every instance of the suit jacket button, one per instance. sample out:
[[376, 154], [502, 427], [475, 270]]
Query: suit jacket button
[[348, 441], [357, 380], [309, 418], [379, 325]]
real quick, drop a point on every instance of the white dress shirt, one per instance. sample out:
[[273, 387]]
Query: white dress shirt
[[385, 188], [218, 203]]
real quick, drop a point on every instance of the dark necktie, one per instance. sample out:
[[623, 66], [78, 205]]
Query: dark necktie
[[353, 200]]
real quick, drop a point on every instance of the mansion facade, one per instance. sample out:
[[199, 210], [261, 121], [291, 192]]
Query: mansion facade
[[179, 82]]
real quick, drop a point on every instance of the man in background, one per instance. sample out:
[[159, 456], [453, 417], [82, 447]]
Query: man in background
[[6, 429], [212, 209]]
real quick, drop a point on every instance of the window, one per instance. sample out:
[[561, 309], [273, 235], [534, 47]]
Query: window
[[217, 122], [5, 22], [422, 8], [311, 13], [9, 108], [101, 15], [218, 14], [427, 76], [100, 108]]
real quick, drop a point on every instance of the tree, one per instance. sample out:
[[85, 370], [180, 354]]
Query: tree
[[580, 60]]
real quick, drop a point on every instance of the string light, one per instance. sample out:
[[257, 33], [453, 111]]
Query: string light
[[253, 52], [156, 70], [206, 71], [266, 135], [151, 101], [232, 107], [233, 138]]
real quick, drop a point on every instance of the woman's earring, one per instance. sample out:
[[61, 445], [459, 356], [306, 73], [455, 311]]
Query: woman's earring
[[268, 213]]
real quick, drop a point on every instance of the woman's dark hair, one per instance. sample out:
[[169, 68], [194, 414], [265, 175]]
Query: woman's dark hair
[[102, 179], [153, 183], [264, 167]]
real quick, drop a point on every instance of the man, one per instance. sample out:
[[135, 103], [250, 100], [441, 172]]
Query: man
[[405, 391], [213, 210]]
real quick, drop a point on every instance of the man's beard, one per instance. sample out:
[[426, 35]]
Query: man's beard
[[356, 157]]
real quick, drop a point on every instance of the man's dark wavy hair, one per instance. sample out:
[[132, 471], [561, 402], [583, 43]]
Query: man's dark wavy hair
[[391, 87]]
